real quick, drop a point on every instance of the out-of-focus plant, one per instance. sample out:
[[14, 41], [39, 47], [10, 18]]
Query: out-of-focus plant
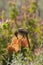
[[32, 7], [31, 24], [13, 12], [34, 32], [5, 35], [7, 29], [3, 15]]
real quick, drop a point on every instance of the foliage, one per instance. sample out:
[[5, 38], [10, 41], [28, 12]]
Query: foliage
[[28, 21], [13, 12]]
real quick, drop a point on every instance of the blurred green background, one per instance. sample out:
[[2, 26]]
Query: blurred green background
[[4, 5]]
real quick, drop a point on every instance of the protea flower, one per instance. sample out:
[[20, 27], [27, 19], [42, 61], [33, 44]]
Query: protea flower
[[24, 42], [14, 46], [22, 35]]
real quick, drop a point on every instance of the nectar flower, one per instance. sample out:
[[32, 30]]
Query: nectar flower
[[24, 42]]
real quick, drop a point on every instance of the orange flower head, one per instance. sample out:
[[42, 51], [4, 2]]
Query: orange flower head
[[9, 48], [24, 42], [19, 36], [14, 40], [12, 48], [15, 47]]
